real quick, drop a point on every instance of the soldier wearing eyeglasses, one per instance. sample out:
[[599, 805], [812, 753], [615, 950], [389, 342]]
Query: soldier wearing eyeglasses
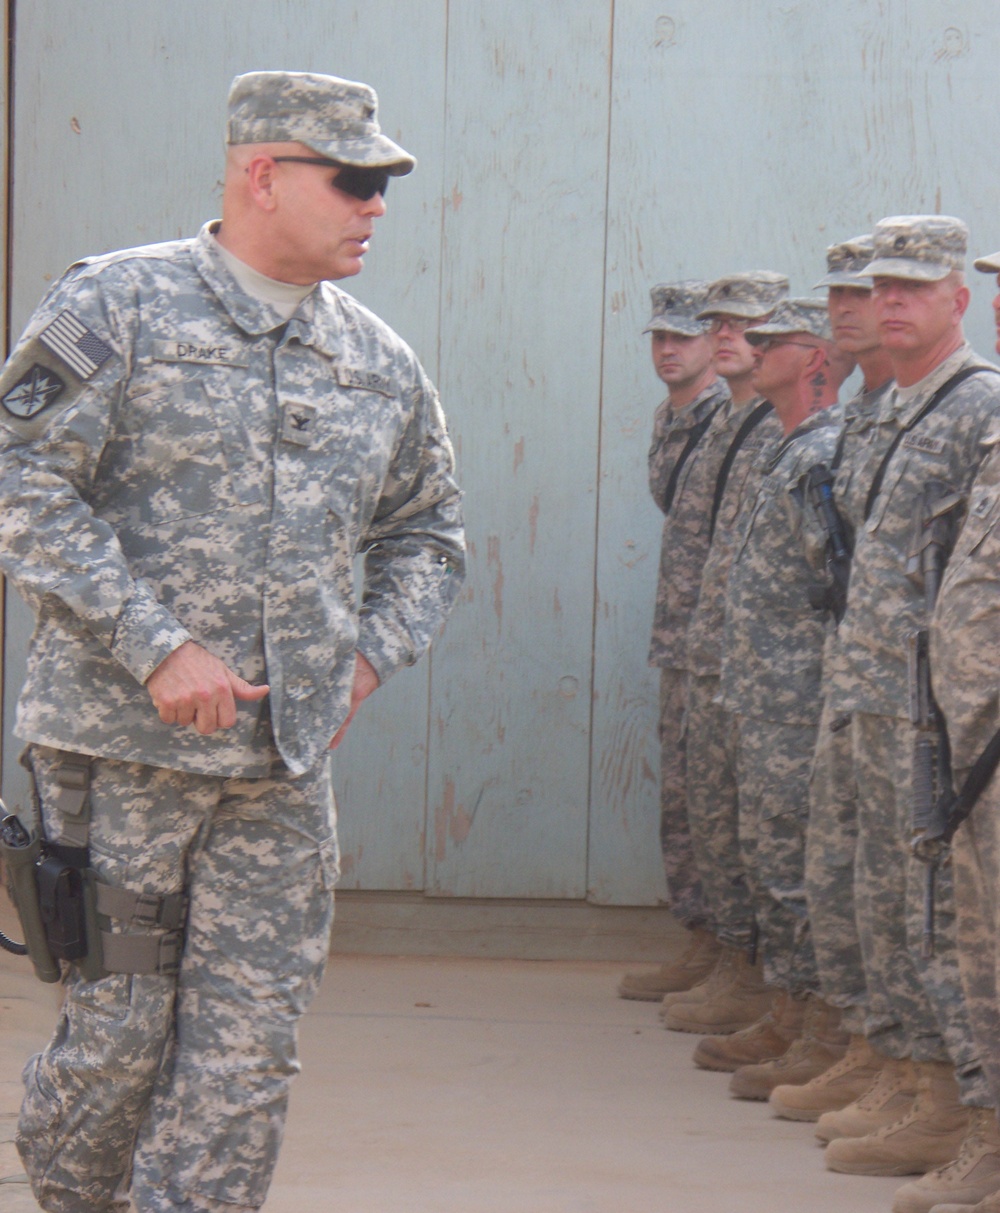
[[198, 440]]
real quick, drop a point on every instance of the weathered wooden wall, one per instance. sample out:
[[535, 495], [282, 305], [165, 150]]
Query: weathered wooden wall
[[571, 155]]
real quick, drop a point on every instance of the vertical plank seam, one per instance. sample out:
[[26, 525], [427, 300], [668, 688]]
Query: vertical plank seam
[[6, 210], [600, 446], [429, 731]]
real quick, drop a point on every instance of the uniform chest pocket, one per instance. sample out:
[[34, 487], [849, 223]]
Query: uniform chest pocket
[[980, 525], [901, 491], [170, 458]]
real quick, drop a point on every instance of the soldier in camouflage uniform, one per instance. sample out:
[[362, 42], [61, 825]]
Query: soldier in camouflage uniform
[[964, 643], [198, 439], [772, 651], [682, 470], [733, 996], [831, 833], [925, 443]]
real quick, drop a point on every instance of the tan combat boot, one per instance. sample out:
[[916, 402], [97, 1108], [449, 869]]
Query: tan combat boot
[[719, 976], [990, 1205], [890, 1096], [693, 966], [832, 1090], [973, 1176], [734, 997], [769, 1037], [821, 1043], [929, 1135]]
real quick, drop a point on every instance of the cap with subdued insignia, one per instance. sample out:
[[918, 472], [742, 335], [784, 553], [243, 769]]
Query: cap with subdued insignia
[[753, 294], [336, 118], [923, 248], [847, 263], [794, 316], [675, 308], [988, 265]]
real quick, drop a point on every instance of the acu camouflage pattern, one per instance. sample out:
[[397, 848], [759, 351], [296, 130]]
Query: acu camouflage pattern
[[215, 479], [832, 832], [705, 633], [682, 553], [712, 738], [924, 248], [191, 1071], [966, 625], [793, 316], [752, 294], [964, 642], [883, 606], [976, 862], [336, 118], [684, 540], [772, 774], [771, 683], [847, 263], [831, 845], [713, 812], [685, 892], [916, 1005], [773, 639], [676, 306]]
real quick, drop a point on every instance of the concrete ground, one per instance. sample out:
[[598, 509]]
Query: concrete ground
[[495, 1086]]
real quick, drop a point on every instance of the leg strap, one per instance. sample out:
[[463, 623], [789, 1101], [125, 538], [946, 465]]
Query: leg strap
[[143, 953]]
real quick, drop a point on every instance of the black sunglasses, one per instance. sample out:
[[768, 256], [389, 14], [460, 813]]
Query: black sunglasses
[[363, 183]]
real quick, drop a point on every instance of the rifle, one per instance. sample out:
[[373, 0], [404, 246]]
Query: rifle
[[839, 544], [932, 790]]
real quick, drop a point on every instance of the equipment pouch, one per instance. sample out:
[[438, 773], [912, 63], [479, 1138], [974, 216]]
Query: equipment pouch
[[21, 852]]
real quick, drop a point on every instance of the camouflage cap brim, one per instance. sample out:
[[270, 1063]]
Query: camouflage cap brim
[[861, 282], [680, 325], [334, 117], [375, 151], [807, 317], [905, 267], [735, 307], [988, 265]]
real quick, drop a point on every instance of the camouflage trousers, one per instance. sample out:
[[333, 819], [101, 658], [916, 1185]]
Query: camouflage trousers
[[684, 891], [179, 1084], [916, 1005], [976, 858], [773, 777], [713, 813], [831, 844]]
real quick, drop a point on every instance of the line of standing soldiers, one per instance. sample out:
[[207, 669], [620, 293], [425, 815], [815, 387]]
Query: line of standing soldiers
[[826, 629]]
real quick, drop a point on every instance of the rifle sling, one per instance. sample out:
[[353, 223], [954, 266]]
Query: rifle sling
[[694, 438], [978, 777], [935, 400], [749, 424]]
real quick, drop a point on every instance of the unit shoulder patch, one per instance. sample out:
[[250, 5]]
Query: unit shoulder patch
[[37, 388]]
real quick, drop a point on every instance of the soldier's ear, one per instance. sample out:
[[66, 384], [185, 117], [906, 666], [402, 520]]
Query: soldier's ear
[[962, 297], [260, 176]]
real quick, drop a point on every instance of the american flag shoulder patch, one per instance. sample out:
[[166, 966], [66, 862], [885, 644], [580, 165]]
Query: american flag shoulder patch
[[72, 342]]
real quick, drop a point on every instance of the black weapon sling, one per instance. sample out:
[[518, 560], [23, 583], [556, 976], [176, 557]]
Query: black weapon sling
[[693, 439], [749, 424], [935, 400], [979, 775]]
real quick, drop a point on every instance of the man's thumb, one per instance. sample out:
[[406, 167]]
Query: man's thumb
[[247, 690]]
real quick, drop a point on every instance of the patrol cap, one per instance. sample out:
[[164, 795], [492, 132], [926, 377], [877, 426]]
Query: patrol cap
[[753, 294], [924, 248], [794, 316], [675, 308], [336, 118], [847, 263], [988, 265]]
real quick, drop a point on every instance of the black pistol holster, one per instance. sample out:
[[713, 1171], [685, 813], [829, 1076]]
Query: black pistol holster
[[66, 912]]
